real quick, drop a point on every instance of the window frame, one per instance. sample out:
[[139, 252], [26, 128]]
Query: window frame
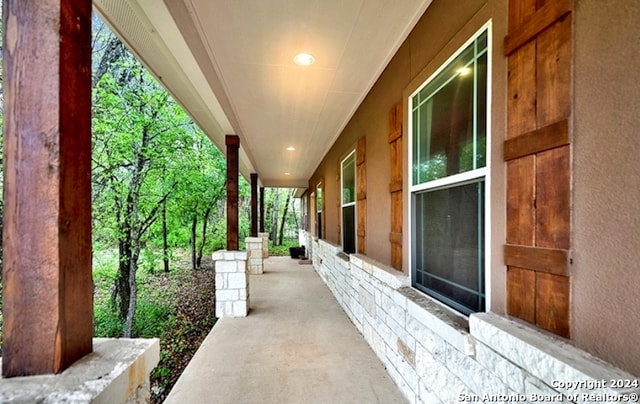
[[350, 155], [319, 215], [475, 175]]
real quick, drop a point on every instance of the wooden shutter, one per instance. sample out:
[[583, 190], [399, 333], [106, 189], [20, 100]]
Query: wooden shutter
[[339, 200], [361, 195], [395, 187], [537, 151]]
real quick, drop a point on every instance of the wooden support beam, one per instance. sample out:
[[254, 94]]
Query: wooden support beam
[[47, 280], [233, 146], [261, 209], [254, 205]]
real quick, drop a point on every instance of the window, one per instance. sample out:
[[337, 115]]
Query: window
[[348, 175], [319, 210], [448, 176]]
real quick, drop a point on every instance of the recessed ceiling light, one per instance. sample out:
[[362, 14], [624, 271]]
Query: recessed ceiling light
[[291, 148], [304, 59], [287, 173]]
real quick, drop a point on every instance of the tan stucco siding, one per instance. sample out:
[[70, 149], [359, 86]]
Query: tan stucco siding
[[606, 181], [605, 252], [434, 31]]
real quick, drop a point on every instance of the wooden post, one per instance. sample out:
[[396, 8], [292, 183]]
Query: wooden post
[[47, 280], [254, 205], [233, 145], [261, 209]]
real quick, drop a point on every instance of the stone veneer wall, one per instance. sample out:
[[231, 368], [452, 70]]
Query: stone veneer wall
[[437, 356]]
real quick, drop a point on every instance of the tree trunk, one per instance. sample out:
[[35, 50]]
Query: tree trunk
[[205, 220], [133, 295], [165, 241], [194, 227], [295, 216], [122, 291], [276, 210], [284, 218]]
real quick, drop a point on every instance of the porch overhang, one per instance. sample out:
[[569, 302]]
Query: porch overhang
[[230, 65]]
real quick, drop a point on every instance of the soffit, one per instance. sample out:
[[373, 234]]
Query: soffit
[[230, 65]]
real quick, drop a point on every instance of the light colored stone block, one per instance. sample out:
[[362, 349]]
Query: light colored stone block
[[221, 281], [226, 266], [218, 255], [367, 301], [439, 322], [240, 255], [228, 294], [507, 371], [236, 281], [477, 378], [399, 299], [240, 308], [546, 357], [117, 371]]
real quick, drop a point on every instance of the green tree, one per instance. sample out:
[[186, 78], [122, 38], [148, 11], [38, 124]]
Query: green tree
[[137, 129], [201, 186]]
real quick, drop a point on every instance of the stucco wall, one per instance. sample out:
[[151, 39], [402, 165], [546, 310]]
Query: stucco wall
[[442, 30], [605, 269], [606, 179]]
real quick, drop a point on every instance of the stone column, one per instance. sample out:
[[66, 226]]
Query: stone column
[[265, 244], [232, 283], [254, 255]]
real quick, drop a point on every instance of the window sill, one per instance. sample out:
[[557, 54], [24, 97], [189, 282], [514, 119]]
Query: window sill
[[343, 256], [443, 321], [387, 275]]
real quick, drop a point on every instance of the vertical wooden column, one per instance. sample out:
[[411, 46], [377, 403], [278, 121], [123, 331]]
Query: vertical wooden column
[[254, 205], [233, 146], [261, 209], [537, 152], [395, 187], [47, 283]]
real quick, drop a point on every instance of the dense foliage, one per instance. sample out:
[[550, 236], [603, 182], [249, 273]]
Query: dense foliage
[[158, 181]]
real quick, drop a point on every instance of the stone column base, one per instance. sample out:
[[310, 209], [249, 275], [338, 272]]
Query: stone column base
[[254, 255], [117, 371], [265, 244], [232, 283]]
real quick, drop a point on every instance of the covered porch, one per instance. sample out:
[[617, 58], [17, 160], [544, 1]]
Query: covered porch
[[297, 345]]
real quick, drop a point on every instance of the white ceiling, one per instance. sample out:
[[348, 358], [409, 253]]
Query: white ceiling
[[230, 64]]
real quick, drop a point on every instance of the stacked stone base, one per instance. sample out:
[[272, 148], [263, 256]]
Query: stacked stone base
[[232, 283], [265, 244], [117, 371], [255, 255], [435, 355]]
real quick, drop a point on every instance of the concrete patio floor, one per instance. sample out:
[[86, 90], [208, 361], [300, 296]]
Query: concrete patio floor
[[297, 345]]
